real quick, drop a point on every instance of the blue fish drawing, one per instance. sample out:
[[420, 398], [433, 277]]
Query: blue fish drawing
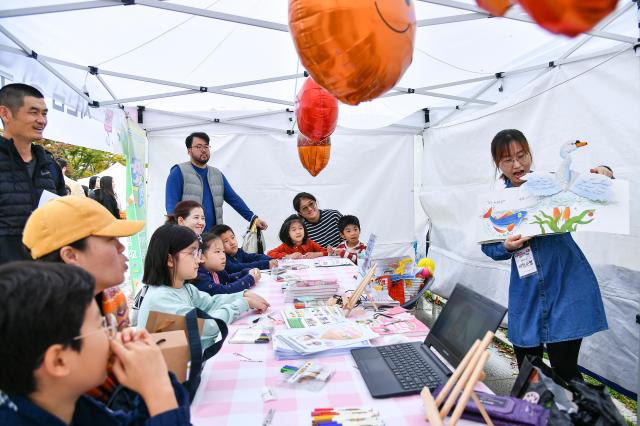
[[506, 222]]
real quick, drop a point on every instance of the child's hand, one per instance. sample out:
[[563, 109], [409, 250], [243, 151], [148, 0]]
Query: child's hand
[[313, 255], [255, 273], [256, 302], [273, 263], [139, 365], [130, 334], [332, 251], [295, 255]]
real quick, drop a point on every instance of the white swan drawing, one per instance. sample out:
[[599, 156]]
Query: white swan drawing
[[595, 187]]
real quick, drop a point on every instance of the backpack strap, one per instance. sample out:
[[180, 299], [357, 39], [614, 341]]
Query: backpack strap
[[198, 356]]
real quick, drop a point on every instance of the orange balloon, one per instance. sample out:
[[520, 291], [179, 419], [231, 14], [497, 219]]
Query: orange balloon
[[495, 7], [355, 49], [568, 17], [314, 156], [316, 111]]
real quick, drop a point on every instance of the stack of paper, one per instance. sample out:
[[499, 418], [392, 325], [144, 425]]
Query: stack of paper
[[329, 339], [319, 289]]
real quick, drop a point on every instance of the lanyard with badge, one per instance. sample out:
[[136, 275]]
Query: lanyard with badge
[[525, 262]]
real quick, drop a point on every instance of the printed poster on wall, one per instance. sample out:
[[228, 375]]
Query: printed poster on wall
[[134, 143]]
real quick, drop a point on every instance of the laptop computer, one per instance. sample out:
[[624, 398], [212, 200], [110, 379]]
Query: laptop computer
[[405, 368]]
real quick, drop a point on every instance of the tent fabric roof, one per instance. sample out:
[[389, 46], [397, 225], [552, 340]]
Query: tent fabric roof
[[144, 50]]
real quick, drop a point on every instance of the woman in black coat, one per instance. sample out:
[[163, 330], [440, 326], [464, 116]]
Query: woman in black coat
[[106, 196]]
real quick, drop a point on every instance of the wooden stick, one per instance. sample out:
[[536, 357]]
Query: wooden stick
[[462, 402], [456, 374], [451, 400], [355, 296], [430, 408], [373, 302], [481, 408]]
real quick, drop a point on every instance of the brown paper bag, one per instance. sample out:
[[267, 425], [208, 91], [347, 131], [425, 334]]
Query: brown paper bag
[[160, 321], [175, 351]]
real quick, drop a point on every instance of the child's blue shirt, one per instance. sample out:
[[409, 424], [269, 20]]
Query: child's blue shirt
[[229, 283], [243, 260]]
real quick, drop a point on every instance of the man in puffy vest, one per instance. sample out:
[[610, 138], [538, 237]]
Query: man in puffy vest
[[197, 181], [26, 169]]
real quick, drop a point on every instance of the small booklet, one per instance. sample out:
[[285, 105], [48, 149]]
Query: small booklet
[[251, 335], [311, 317]]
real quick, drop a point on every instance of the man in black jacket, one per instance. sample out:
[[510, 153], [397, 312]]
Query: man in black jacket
[[26, 170]]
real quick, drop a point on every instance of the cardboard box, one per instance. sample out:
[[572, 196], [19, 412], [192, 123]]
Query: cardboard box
[[175, 350], [160, 321]]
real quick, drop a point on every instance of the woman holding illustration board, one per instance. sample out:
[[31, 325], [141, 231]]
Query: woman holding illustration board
[[554, 298]]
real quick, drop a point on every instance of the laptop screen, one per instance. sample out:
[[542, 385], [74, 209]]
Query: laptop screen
[[466, 316]]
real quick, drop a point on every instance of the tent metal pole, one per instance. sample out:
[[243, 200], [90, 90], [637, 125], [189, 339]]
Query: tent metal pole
[[601, 26], [397, 91], [202, 120], [518, 15], [455, 98], [65, 7], [261, 81], [404, 90], [44, 63], [199, 117], [107, 88], [150, 80], [450, 19], [214, 15], [253, 97], [148, 97], [223, 123], [478, 93]]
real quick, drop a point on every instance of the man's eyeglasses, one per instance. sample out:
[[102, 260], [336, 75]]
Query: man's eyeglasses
[[108, 325], [522, 157], [196, 253], [200, 147], [308, 207]]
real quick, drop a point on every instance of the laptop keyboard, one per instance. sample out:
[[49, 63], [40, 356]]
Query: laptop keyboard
[[411, 369]]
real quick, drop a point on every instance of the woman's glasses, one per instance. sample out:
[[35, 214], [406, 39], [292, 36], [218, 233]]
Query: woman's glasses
[[308, 207], [522, 158]]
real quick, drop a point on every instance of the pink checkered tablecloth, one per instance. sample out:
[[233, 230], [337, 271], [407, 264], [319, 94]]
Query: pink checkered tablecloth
[[231, 389]]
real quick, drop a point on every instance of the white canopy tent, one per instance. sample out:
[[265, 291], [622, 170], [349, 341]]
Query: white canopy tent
[[229, 68]]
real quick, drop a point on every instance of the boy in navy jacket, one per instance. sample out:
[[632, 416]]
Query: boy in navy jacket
[[56, 346], [238, 259]]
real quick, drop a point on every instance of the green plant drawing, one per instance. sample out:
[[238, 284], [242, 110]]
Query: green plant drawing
[[570, 223]]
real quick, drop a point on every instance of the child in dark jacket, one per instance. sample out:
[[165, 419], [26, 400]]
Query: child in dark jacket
[[212, 277], [237, 258], [60, 346]]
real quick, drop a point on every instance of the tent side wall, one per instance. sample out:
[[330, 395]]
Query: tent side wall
[[370, 176], [595, 101]]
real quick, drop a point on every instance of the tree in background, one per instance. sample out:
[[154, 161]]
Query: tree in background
[[83, 162]]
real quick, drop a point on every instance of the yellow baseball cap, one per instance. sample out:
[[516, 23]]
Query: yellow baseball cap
[[66, 220]]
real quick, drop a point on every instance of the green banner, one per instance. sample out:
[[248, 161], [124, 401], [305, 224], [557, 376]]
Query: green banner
[[134, 145]]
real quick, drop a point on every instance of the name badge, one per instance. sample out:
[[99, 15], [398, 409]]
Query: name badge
[[525, 262]]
